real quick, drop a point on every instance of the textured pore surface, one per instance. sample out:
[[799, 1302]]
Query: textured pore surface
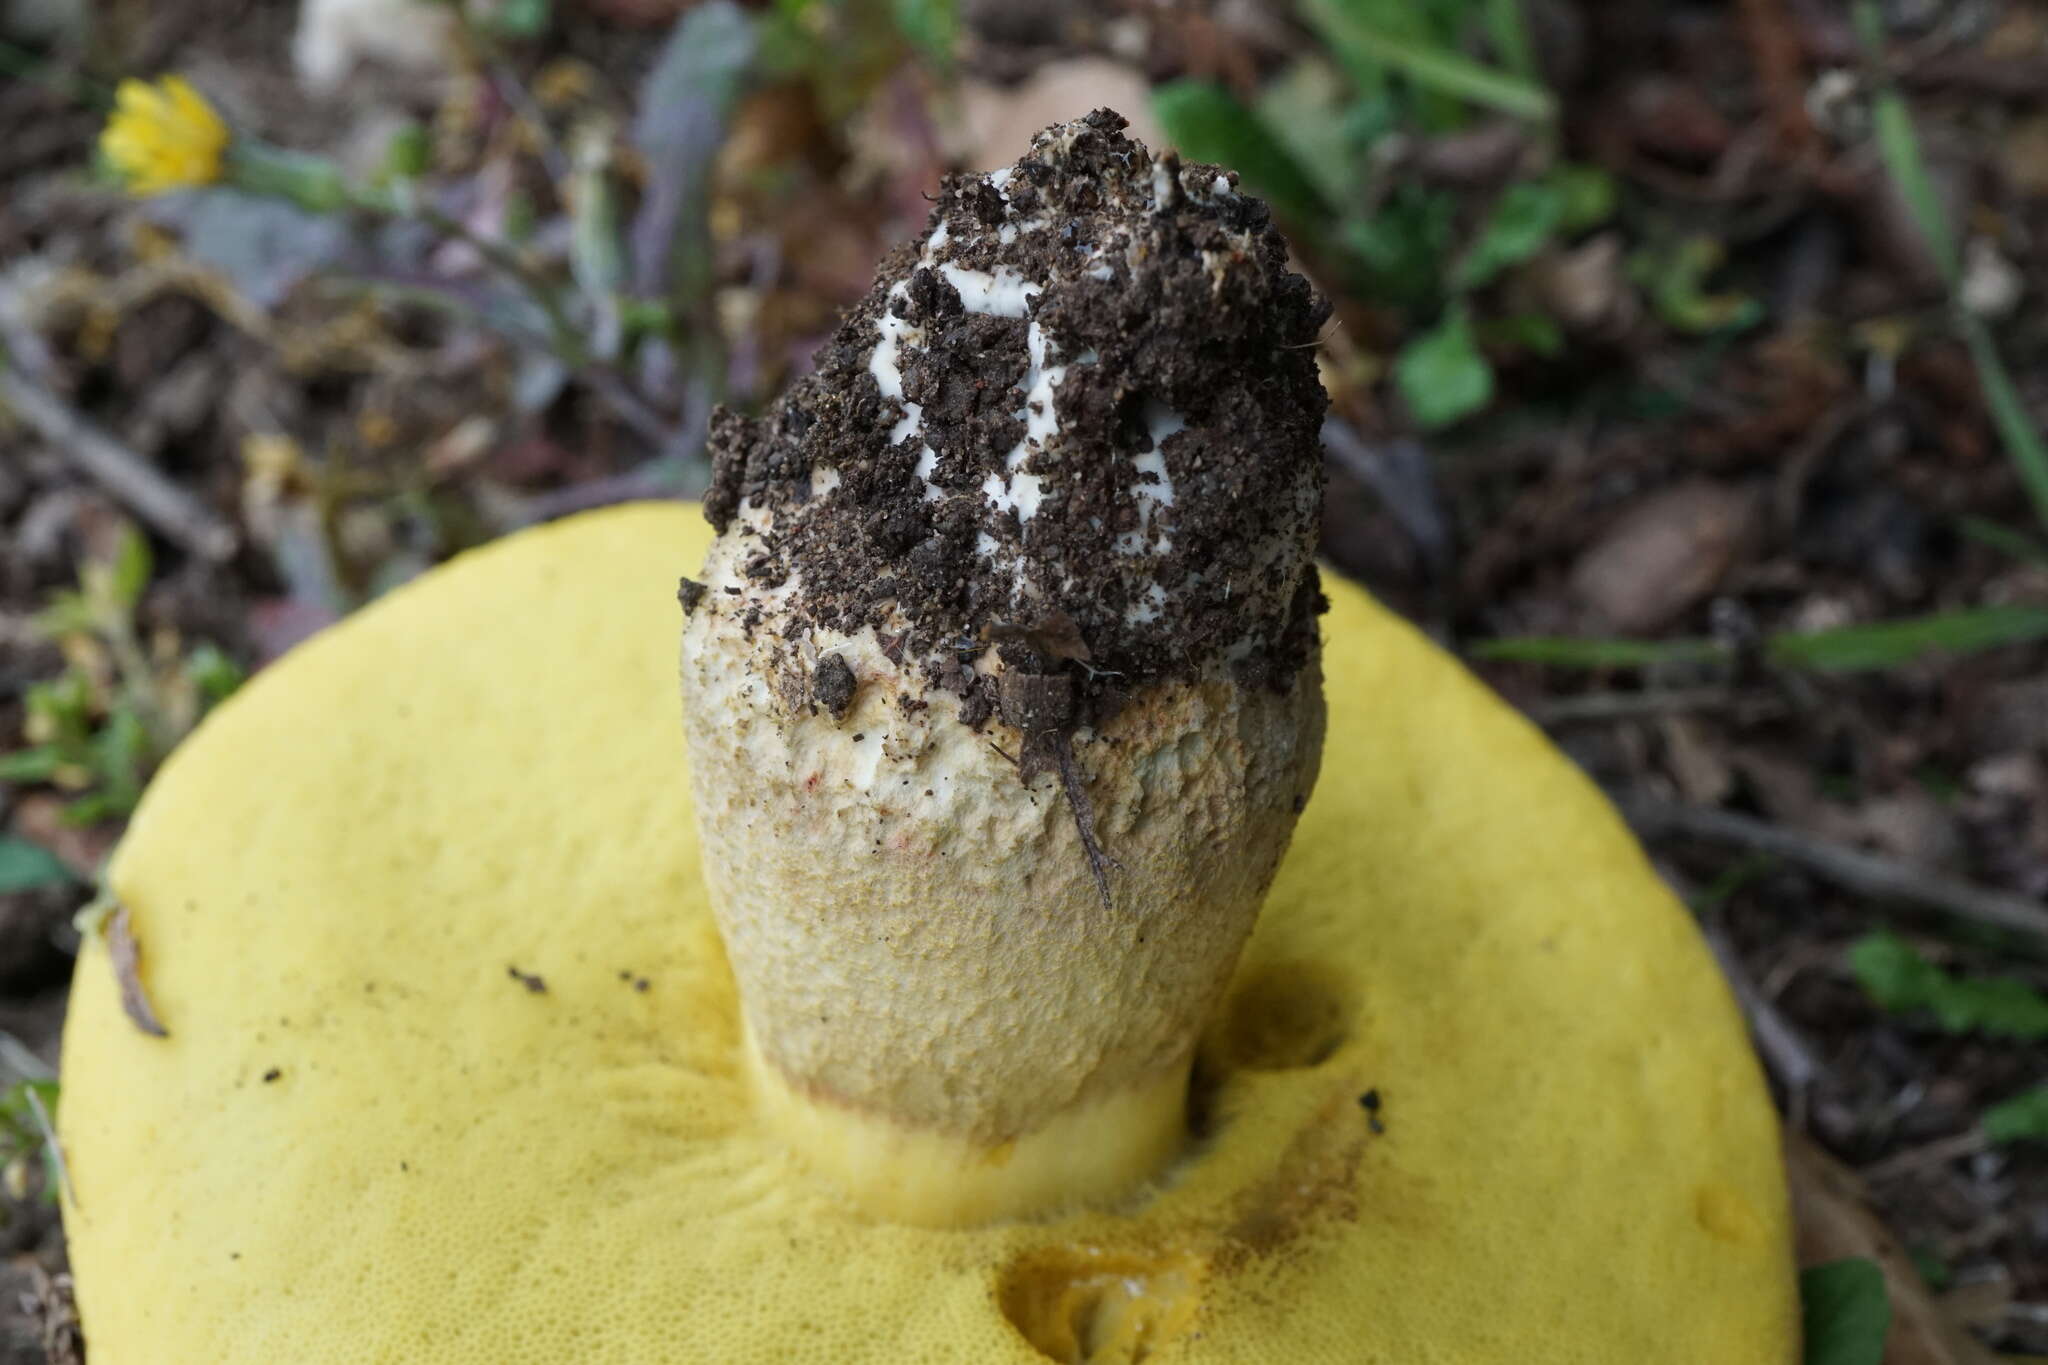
[[1476, 1095]]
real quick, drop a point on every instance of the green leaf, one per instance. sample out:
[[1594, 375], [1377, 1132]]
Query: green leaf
[[686, 103], [213, 673], [1887, 644], [1403, 245], [1933, 1269], [1441, 374], [1522, 220], [1533, 332], [1361, 43], [1306, 108], [1676, 278], [28, 867], [2024, 1117], [520, 18], [1846, 1313], [410, 152], [1589, 195], [31, 765], [1507, 28], [1570, 652], [68, 613], [1207, 123], [1895, 975], [131, 568], [930, 26]]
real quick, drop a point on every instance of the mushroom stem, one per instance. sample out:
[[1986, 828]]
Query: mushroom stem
[[943, 1017], [1001, 685]]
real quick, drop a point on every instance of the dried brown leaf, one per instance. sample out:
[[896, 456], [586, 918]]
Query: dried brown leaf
[[1834, 1222], [1662, 557], [127, 956]]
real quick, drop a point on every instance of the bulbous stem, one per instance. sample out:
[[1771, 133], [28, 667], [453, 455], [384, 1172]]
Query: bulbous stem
[[944, 1018]]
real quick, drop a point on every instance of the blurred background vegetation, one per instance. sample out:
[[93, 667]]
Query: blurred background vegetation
[[1686, 376]]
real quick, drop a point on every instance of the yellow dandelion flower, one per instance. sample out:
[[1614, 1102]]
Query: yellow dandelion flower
[[164, 136]]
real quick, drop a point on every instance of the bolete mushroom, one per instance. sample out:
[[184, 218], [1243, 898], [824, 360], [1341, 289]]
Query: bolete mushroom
[[458, 1069]]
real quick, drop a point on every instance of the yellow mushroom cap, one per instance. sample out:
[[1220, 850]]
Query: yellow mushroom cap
[[331, 882]]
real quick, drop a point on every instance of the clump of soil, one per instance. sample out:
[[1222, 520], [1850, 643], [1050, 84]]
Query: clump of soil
[[1077, 422]]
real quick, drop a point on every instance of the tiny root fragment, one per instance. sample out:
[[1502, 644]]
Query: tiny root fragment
[[127, 958], [1099, 862]]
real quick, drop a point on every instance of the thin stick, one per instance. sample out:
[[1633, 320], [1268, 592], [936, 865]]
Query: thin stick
[[176, 514], [1939, 1152], [1099, 862], [1627, 705], [1866, 874], [1784, 1049]]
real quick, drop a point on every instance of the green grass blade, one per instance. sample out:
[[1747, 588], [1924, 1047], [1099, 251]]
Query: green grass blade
[[1564, 651], [2004, 539], [2016, 429], [1887, 644], [1899, 145], [1507, 27], [1434, 68]]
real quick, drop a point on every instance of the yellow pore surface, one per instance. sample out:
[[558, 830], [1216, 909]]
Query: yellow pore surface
[[365, 1140]]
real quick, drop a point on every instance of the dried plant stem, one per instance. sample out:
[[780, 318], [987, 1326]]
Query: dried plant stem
[[169, 509], [1866, 874]]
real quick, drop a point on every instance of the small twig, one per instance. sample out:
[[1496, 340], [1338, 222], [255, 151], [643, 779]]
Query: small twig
[[35, 1104], [507, 259], [1401, 475], [1937, 1153], [658, 478], [1866, 874], [1627, 705], [1775, 53], [1099, 862], [520, 100], [176, 514], [1789, 487], [1784, 1049]]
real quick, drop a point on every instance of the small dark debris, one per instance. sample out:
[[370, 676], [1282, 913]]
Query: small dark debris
[[533, 981], [641, 984], [833, 685], [271, 1075], [690, 592]]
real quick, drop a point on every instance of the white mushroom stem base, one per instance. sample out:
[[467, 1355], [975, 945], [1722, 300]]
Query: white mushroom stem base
[[948, 1022]]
